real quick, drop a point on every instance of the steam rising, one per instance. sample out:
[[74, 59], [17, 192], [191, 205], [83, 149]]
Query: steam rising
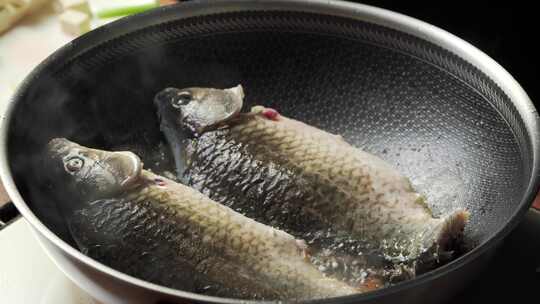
[[102, 97]]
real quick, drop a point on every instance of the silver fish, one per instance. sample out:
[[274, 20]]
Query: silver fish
[[278, 170], [213, 240]]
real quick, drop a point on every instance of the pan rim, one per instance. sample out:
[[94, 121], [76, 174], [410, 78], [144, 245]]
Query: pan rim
[[353, 11]]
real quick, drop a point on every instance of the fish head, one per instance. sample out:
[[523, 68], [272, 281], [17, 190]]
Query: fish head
[[91, 173], [197, 109]]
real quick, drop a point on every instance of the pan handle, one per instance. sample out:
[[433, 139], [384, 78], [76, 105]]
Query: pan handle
[[8, 214]]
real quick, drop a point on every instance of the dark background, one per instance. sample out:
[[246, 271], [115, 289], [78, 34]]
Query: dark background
[[509, 35]]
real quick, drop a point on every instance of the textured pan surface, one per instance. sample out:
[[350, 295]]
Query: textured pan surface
[[433, 116]]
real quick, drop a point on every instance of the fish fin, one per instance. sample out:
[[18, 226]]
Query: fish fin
[[179, 162], [258, 109], [303, 248], [339, 137], [238, 91], [441, 241], [451, 230], [126, 165], [421, 200], [177, 142]]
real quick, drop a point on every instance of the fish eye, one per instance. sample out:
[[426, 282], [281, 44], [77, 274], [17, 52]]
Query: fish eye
[[74, 164], [181, 99]]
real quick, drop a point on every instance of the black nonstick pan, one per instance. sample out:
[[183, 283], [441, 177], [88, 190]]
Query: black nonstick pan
[[439, 110]]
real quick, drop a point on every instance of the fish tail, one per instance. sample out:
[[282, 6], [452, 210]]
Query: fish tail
[[451, 230], [442, 241]]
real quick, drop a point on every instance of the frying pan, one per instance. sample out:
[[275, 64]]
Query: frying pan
[[442, 112]]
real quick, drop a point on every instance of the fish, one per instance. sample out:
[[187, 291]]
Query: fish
[[218, 107], [208, 239], [286, 173]]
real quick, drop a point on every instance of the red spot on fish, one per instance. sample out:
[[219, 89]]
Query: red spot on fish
[[536, 203], [270, 114], [371, 283], [160, 182]]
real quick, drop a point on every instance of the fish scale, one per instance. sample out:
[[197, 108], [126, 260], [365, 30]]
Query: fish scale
[[119, 233], [242, 242], [334, 184], [259, 204], [325, 186], [252, 179]]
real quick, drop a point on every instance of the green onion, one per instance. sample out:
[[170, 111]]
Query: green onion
[[114, 8]]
